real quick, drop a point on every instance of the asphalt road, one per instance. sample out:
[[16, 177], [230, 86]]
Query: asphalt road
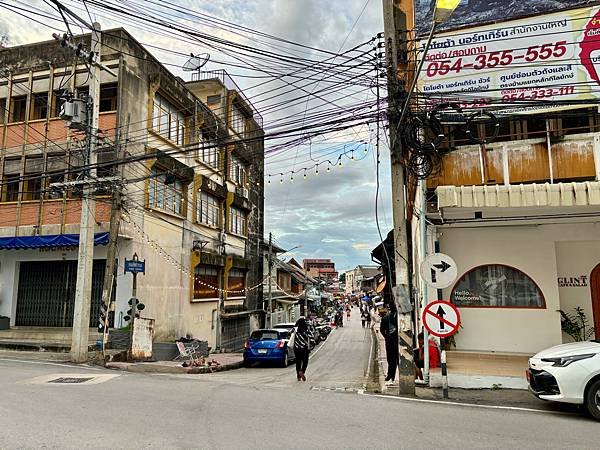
[[260, 408]]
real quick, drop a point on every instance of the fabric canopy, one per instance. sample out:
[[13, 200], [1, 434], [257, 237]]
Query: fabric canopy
[[49, 240]]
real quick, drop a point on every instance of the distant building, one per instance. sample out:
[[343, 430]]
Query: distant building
[[323, 269], [361, 279]]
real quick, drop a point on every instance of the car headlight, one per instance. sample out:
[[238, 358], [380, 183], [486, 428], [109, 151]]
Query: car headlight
[[566, 360]]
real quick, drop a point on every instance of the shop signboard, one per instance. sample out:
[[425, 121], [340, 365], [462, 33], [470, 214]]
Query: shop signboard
[[520, 66], [479, 12]]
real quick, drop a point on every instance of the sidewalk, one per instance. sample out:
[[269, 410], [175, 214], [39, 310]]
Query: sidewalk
[[470, 379], [225, 361]]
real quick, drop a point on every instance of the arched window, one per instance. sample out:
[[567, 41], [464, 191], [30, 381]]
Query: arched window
[[497, 286]]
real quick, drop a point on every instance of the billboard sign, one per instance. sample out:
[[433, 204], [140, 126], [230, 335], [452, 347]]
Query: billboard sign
[[521, 66], [471, 13]]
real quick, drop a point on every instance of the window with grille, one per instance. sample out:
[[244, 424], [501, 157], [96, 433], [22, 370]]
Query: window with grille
[[238, 120], [165, 193], [209, 209], [238, 171], [236, 281], [237, 221], [209, 154], [39, 108], [206, 282], [19, 106], [168, 120]]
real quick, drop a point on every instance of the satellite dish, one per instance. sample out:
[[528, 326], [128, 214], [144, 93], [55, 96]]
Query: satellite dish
[[196, 62]]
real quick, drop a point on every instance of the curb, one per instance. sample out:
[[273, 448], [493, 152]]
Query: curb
[[149, 368]]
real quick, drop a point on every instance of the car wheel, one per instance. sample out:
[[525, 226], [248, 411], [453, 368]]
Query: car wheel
[[592, 400], [284, 361]]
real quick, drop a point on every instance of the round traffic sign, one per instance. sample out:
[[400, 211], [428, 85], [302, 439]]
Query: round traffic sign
[[441, 318], [438, 270]]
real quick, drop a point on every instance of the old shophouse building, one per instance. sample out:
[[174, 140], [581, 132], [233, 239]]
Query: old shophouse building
[[192, 198]]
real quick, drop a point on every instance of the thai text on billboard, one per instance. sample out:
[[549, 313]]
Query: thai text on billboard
[[521, 66], [471, 13]]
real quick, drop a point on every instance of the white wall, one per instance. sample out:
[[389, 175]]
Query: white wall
[[574, 259], [530, 249]]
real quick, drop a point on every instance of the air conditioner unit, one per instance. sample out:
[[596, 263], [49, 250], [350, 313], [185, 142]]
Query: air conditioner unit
[[241, 191]]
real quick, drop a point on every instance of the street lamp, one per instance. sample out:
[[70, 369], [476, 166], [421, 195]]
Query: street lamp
[[443, 10]]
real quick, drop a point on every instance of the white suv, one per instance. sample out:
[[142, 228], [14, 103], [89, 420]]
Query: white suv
[[568, 373]]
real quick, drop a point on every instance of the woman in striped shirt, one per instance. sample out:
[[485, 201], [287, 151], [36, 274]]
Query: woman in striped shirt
[[301, 347]]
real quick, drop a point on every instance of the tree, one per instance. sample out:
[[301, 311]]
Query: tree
[[342, 278]]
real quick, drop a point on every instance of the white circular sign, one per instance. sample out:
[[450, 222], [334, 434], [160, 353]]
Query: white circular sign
[[438, 270], [441, 318]]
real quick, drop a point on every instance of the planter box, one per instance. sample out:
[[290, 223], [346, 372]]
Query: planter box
[[4, 323]]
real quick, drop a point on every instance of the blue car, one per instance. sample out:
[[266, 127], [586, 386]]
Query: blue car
[[269, 345]]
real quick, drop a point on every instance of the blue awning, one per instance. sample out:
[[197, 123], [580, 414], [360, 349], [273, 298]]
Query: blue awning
[[49, 240]]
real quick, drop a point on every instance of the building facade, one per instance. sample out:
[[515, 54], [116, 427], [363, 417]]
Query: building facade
[[323, 269], [192, 203]]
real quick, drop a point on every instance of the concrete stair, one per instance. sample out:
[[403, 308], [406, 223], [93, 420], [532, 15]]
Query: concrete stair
[[42, 339]]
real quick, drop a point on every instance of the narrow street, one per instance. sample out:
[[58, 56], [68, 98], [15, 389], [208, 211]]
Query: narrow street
[[260, 407], [341, 362]]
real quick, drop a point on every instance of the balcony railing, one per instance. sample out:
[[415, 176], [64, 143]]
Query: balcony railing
[[228, 82]]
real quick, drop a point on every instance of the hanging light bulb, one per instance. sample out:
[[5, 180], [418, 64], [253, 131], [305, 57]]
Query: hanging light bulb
[[352, 155], [366, 149], [292, 177], [269, 180], [305, 174], [328, 169], [317, 170], [281, 179], [340, 161]]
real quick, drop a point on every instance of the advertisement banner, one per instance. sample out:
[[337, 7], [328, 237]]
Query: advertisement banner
[[471, 13], [525, 66]]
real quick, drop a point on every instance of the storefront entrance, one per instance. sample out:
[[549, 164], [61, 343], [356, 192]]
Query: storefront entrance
[[46, 294], [595, 287]]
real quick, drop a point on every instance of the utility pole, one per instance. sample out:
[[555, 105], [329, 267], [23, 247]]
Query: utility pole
[[85, 257], [111, 252], [270, 295], [398, 20]]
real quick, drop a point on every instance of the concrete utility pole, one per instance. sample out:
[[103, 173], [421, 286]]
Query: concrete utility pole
[[270, 294], [398, 18], [85, 257]]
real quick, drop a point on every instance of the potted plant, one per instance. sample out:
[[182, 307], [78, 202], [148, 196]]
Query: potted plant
[[4, 323]]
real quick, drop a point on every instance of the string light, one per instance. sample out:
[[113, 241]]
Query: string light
[[305, 174], [317, 170]]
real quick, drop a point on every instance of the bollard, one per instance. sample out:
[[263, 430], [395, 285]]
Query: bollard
[[444, 375]]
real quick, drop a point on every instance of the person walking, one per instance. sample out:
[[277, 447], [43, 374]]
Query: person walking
[[363, 316], [389, 330], [368, 316], [301, 347]]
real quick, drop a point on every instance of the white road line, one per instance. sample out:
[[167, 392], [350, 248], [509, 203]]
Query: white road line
[[470, 405], [48, 363]]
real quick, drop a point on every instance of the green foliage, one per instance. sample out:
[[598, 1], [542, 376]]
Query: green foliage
[[576, 324]]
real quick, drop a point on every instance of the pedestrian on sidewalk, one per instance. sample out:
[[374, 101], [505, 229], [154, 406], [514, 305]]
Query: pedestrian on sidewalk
[[301, 348], [419, 357], [363, 316], [368, 317], [389, 330]]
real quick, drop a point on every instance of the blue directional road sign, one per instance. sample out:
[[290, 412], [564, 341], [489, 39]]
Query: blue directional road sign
[[135, 266]]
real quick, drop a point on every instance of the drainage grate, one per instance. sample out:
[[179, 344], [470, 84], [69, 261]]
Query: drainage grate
[[70, 380]]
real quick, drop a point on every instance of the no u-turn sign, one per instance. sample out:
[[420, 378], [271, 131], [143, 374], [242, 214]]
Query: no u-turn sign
[[441, 318]]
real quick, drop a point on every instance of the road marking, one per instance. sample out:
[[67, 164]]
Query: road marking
[[48, 363], [471, 405], [52, 378]]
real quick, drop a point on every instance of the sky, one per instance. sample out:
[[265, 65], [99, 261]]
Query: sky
[[331, 215]]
